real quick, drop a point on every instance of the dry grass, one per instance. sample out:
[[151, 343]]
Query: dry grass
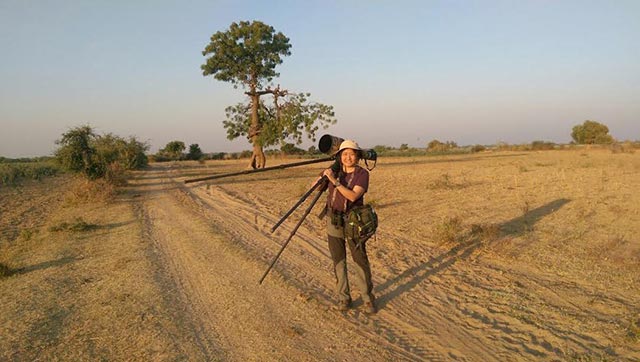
[[72, 295], [449, 230], [486, 232], [91, 191]]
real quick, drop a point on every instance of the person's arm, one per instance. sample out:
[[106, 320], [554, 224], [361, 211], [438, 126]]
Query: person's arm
[[351, 195]]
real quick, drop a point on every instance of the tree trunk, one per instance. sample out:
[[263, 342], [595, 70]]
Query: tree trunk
[[257, 157]]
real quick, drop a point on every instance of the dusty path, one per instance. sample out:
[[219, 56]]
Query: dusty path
[[435, 305]]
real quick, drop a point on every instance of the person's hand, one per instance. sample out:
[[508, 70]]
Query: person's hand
[[329, 173]]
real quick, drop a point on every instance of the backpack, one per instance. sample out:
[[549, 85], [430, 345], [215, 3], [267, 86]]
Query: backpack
[[360, 224]]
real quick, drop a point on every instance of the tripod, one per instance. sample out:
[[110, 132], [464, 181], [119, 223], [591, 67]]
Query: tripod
[[322, 182]]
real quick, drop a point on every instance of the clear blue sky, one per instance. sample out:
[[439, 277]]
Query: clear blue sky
[[473, 72]]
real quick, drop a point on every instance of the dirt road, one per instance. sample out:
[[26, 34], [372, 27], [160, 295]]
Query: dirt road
[[470, 264]]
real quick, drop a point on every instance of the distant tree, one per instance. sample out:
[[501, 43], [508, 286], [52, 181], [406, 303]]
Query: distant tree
[[404, 147], [246, 55], [195, 153], [591, 132], [173, 150]]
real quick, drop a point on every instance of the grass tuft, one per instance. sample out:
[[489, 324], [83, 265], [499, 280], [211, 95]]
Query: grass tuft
[[444, 182], [633, 330], [78, 225], [486, 232], [5, 271], [449, 230]]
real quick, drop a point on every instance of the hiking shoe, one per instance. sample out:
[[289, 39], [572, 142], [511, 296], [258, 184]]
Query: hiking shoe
[[344, 305], [369, 308]]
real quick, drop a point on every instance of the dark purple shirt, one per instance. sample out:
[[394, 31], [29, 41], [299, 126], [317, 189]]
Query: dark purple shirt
[[359, 177]]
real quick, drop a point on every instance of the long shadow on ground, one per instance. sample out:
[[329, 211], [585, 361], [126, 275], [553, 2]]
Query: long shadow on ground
[[435, 265]]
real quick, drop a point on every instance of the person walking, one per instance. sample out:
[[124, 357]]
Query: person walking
[[345, 191]]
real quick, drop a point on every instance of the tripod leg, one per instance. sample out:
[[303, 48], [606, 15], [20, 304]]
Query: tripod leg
[[293, 232], [304, 197]]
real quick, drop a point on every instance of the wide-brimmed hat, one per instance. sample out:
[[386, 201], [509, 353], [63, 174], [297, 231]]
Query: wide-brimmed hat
[[349, 144]]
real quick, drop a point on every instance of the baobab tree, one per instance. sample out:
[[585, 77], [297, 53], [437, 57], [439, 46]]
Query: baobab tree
[[246, 55]]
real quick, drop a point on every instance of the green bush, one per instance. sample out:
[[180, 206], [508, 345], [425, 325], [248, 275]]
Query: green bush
[[82, 150]]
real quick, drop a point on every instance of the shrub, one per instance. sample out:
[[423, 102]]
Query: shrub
[[77, 152], [478, 148], [82, 151], [437, 146], [542, 145]]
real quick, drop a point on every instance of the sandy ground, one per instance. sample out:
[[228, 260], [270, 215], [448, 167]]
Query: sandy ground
[[488, 257]]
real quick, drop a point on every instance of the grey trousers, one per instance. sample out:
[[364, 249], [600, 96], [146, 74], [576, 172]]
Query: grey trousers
[[363, 270]]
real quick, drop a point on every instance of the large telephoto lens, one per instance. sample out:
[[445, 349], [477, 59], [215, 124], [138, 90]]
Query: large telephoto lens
[[329, 144]]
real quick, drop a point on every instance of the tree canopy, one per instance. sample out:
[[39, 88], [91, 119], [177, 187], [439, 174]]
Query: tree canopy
[[173, 150], [246, 55], [291, 120], [591, 132]]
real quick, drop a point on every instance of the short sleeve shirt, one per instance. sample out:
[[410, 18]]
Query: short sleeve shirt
[[359, 177]]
